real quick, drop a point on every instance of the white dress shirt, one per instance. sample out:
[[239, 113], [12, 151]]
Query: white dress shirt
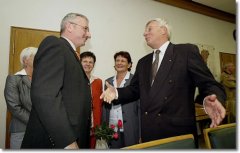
[[162, 49]]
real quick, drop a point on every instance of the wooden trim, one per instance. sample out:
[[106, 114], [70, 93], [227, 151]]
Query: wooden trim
[[202, 9], [206, 131], [7, 136], [160, 141]]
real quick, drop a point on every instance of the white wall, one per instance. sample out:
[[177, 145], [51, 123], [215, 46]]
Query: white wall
[[114, 24]]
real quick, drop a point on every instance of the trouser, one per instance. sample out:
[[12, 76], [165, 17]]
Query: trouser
[[16, 140]]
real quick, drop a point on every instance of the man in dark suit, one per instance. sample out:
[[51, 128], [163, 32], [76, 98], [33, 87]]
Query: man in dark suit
[[60, 92], [167, 100]]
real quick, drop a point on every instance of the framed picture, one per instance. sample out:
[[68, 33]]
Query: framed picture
[[211, 58]]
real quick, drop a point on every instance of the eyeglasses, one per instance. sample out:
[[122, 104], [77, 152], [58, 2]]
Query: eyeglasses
[[86, 29], [150, 28]]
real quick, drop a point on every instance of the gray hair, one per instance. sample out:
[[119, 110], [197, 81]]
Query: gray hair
[[69, 18], [162, 22], [26, 53], [225, 66]]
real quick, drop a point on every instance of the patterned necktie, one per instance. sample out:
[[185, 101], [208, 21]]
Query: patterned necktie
[[155, 65]]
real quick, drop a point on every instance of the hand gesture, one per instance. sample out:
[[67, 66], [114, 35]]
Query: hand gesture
[[214, 109], [109, 94], [73, 145]]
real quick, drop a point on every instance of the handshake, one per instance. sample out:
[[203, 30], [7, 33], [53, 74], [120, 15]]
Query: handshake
[[109, 94]]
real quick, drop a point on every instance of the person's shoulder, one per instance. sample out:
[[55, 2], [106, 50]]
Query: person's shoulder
[[13, 79], [97, 79], [146, 57], [187, 48], [185, 45], [109, 79], [15, 76], [51, 37]]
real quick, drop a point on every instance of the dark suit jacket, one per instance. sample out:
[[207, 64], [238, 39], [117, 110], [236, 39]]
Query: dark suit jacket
[[131, 117], [61, 98], [167, 108]]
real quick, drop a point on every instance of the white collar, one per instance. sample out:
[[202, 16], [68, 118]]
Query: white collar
[[22, 72], [163, 48], [92, 78], [70, 42], [127, 76]]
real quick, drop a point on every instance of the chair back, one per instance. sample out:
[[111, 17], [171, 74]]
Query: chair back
[[221, 137], [177, 142]]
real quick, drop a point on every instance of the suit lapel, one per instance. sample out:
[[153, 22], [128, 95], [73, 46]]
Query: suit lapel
[[163, 70], [70, 47], [147, 72], [111, 81], [75, 55]]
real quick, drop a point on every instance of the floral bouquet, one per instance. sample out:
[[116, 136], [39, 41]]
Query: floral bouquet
[[105, 133]]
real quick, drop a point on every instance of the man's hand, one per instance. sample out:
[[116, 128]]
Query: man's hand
[[74, 145], [214, 109], [109, 94]]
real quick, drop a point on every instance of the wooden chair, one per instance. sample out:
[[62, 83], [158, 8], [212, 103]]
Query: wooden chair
[[177, 142], [221, 137]]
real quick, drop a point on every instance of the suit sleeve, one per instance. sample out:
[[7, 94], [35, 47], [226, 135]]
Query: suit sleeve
[[131, 92], [46, 92], [12, 97], [202, 76]]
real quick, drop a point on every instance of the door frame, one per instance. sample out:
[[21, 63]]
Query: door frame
[[12, 62]]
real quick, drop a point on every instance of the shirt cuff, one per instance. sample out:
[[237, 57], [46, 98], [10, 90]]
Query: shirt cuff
[[116, 93], [204, 100]]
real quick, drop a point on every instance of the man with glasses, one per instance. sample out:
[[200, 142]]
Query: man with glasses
[[60, 92]]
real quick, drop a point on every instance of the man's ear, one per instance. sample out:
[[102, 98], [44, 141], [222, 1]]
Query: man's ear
[[163, 30], [69, 27]]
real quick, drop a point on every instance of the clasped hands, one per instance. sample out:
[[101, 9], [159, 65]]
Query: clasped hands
[[73, 145], [109, 94]]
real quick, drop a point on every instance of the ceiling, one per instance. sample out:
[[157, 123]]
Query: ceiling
[[228, 6], [220, 9]]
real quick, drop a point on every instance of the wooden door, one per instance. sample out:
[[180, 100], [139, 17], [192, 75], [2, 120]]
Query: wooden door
[[20, 39], [226, 58]]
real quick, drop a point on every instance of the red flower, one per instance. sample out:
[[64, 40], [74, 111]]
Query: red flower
[[120, 124], [115, 135], [112, 126], [104, 131]]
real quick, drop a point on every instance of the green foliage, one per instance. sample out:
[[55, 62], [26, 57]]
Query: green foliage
[[104, 132]]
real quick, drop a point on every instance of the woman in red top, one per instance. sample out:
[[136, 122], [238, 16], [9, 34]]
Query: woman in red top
[[88, 60]]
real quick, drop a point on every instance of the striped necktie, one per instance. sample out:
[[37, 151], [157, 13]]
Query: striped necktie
[[155, 65]]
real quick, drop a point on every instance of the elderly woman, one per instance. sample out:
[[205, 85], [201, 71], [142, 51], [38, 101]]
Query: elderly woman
[[17, 96]]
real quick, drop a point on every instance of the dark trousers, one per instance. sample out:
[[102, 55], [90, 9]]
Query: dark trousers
[[118, 143]]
